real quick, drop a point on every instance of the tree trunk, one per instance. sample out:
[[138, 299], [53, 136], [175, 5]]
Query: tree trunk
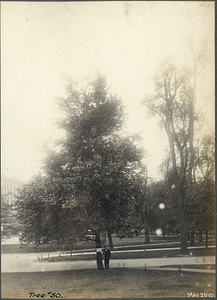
[[98, 252], [188, 236], [163, 233], [206, 238], [110, 239], [192, 243], [147, 238], [200, 235], [183, 232]]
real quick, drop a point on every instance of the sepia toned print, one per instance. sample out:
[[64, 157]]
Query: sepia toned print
[[108, 146]]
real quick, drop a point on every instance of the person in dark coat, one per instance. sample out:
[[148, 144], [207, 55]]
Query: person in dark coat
[[107, 256]]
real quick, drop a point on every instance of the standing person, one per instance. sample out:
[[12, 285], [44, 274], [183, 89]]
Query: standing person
[[107, 257]]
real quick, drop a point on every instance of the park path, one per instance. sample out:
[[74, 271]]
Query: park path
[[27, 262]]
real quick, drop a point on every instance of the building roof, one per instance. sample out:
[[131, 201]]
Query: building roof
[[4, 177]]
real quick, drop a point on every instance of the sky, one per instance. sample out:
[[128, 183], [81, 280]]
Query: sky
[[40, 41]]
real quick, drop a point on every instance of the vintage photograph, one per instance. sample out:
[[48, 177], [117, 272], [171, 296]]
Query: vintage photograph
[[108, 150]]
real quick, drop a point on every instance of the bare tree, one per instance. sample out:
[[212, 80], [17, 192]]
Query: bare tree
[[174, 102]]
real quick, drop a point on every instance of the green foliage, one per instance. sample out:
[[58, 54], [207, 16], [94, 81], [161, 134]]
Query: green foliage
[[201, 214], [9, 220], [43, 214], [205, 156], [89, 183]]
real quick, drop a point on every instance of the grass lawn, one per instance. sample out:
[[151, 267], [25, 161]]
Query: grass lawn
[[112, 283], [139, 241]]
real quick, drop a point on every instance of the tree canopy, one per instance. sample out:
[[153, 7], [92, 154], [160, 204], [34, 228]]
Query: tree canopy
[[89, 183]]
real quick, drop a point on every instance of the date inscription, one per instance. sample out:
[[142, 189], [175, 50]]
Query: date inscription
[[200, 295]]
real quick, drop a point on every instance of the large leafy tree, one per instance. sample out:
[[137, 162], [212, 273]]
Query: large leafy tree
[[90, 180], [174, 103], [97, 161]]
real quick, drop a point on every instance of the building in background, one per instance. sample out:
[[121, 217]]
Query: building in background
[[9, 188]]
